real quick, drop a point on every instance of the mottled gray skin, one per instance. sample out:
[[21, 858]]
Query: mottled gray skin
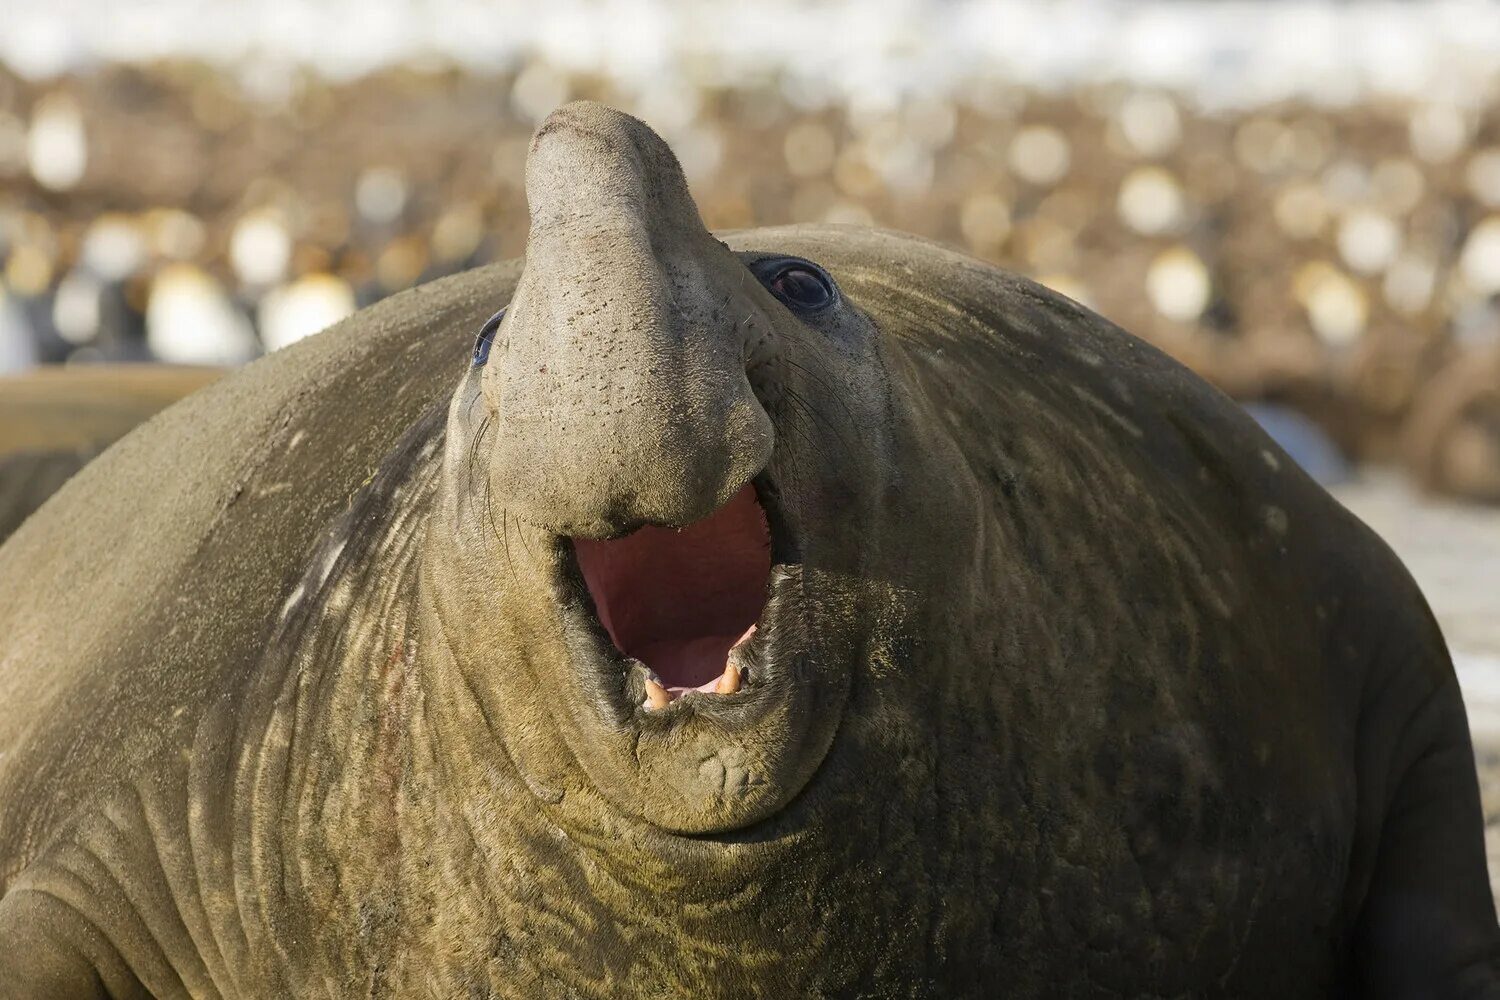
[[55, 420], [1075, 685]]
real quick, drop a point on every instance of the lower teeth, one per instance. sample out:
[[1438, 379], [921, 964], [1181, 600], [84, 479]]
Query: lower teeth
[[658, 696]]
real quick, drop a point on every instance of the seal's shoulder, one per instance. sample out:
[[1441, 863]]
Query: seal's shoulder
[[151, 576]]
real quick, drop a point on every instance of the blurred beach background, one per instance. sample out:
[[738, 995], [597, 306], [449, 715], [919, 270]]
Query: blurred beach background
[[1300, 200]]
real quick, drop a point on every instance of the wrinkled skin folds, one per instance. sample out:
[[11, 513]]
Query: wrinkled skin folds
[[387, 667]]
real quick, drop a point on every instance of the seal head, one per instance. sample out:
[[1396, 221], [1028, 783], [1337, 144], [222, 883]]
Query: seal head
[[675, 441]]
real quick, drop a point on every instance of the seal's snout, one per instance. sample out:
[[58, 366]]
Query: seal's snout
[[620, 377]]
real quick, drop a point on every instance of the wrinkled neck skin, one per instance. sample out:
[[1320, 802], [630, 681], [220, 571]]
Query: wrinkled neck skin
[[739, 844], [512, 820], [520, 867], [424, 807]]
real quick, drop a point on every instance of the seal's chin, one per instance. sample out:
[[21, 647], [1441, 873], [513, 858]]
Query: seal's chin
[[684, 602], [697, 695]]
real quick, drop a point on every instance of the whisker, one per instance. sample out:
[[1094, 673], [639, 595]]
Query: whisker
[[484, 426], [813, 445], [502, 536], [802, 404], [828, 387], [522, 535]]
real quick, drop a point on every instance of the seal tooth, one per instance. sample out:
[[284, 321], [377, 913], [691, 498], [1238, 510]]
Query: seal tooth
[[729, 680], [656, 695]]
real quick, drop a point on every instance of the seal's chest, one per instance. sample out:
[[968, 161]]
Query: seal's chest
[[1156, 864]]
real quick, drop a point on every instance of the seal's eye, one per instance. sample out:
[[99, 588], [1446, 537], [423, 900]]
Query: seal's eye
[[799, 283], [486, 338]]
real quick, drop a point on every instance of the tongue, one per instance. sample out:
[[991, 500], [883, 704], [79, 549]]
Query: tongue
[[679, 600], [679, 663]]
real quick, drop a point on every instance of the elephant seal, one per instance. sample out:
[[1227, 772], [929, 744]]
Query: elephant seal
[[53, 421], [816, 613]]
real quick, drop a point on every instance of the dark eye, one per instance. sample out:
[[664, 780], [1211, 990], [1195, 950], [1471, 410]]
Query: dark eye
[[801, 284], [486, 338]]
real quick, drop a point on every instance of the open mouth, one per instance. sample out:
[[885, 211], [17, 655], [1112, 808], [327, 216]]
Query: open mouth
[[682, 601]]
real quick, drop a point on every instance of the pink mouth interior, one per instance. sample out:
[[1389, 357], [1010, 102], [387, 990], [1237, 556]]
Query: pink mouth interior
[[679, 599]]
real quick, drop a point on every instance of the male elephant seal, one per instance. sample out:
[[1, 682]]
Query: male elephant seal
[[825, 614], [54, 420]]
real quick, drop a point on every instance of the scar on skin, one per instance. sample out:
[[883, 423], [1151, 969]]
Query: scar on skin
[[1275, 519]]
